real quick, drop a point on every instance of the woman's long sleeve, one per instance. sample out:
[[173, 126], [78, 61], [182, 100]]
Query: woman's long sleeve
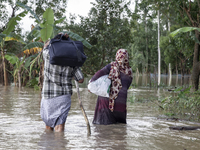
[[104, 71]]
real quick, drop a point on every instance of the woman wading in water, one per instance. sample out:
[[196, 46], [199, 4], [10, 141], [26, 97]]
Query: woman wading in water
[[113, 109]]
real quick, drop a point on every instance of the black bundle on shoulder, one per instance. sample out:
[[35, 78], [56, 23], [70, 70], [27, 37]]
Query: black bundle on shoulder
[[66, 52]]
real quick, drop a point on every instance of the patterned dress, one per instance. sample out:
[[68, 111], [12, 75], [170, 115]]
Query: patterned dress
[[103, 114]]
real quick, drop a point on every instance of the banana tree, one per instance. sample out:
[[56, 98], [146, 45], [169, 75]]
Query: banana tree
[[47, 28], [196, 62], [8, 35], [184, 30], [18, 65]]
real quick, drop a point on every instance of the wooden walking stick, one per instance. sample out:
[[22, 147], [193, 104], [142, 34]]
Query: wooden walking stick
[[81, 106]]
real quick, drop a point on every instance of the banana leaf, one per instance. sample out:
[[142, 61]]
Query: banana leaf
[[37, 56], [47, 25], [11, 24], [12, 58], [34, 44], [78, 38], [35, 33], [184, 29], [60, 20], [15, 37], [29, 10]]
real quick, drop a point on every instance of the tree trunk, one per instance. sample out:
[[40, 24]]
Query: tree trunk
[[137, 76], [195, 75], [196, 49], [195, 72], [4, 69], [41, 75], [14, 80], [159, 55], [170, 69], [1, 73], [147, 47], [19, 78], [137, 72], [170, 75], [176, 74], [182, 74]]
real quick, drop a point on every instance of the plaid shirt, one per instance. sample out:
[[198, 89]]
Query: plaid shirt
[[58, 79]]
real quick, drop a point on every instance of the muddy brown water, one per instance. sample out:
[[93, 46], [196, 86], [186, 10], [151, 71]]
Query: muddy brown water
[[21, 127]]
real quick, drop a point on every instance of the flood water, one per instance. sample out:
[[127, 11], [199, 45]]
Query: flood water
[[21, 127]]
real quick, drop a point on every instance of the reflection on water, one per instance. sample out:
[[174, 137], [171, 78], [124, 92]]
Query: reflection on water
[[108, 136], [52, 140], [146, 80], [22, 128]]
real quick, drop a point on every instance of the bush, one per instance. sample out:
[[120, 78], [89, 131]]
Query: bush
[[185, 104]]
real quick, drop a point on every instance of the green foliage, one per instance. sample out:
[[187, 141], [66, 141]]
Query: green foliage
[[132, 99], [110, 26], [9, 35], [169, 114], [78, 38], [185, 104], [33, 83], [58, 6], [17, 63], [13, 22], [34, 34], [107, 30], [47, 25], [12, 59], [34, 44], [2, 36], [177, 51], [37, 58], [183, 30], [12, 36], [27, 8]]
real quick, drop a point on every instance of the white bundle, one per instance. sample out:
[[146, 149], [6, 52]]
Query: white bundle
[[101, 86]]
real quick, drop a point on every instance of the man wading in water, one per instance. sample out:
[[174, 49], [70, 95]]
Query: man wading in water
[[57, 91]]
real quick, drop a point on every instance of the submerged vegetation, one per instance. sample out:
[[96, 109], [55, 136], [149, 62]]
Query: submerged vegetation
[[184, 105], [179, 104]]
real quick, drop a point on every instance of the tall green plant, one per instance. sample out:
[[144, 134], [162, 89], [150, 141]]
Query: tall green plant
[[47, 25], [48, 28], [45, 29], [185, 30], [7, 35], [18, 65], [196, 62]]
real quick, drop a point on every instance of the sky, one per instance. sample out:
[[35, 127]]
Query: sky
[[77, 7]]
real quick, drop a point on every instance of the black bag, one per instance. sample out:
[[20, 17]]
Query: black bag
[[66, 52]]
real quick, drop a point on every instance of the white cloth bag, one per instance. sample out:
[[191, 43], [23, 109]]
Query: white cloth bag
[[101, 86]]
